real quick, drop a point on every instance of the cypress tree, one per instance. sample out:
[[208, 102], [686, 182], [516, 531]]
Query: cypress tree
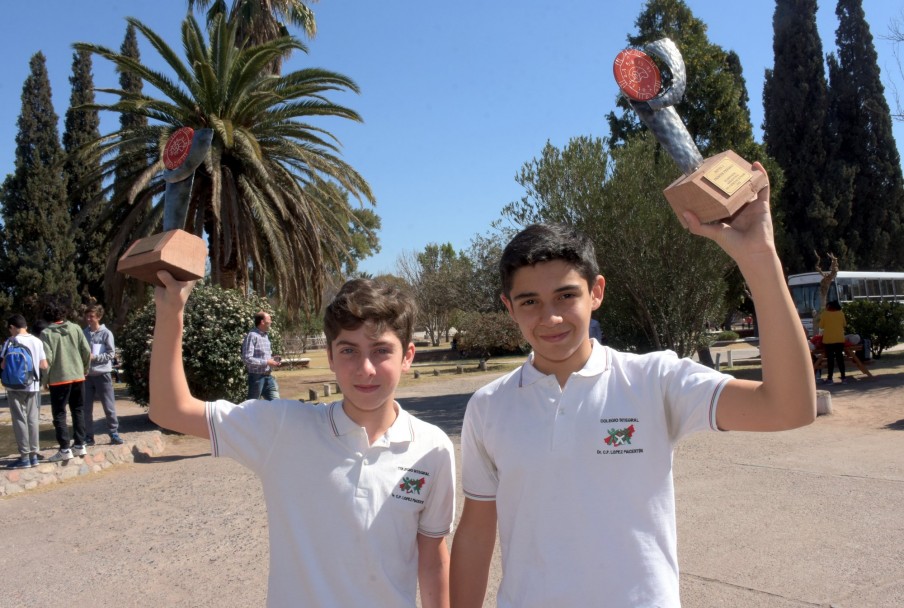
[[122, 294], [794, 100], [82, 126], [864, 144], [38, 245]]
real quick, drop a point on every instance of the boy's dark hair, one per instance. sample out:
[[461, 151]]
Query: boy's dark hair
[[56, 308], [546, 243], [259, 318], [17, 321], [38, 326], [382, 306], [833, 305], [97, 309]]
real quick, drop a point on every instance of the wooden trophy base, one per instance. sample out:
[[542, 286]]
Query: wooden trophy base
[[184, 255], [717, 190]]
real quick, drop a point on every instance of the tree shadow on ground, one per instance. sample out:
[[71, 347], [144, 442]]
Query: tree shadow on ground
[[895, 426], [445, 411]]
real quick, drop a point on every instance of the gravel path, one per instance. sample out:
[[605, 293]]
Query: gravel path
[[805, 518]]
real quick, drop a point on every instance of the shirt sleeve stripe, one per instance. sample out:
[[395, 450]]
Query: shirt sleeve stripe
[[212, 429], [434, 534], [713, 404], [481, 497]]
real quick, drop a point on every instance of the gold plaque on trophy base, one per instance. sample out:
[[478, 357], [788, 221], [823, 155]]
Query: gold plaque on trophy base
[[717, 189], [184, 255]]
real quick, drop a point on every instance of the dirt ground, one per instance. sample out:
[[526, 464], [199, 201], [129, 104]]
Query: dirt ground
[[811, 517]]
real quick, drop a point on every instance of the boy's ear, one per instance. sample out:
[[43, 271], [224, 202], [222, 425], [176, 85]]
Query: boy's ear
[[597, 291], [408, 357], [507, 303]]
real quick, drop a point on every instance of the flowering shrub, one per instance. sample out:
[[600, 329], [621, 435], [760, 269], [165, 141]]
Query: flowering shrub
[[216, 321]]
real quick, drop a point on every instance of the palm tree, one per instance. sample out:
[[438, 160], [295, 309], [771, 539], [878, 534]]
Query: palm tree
[[260, 21], [271, 193]]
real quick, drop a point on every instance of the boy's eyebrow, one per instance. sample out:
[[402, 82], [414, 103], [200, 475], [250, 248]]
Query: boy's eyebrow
[[346, 342], [533, 294]]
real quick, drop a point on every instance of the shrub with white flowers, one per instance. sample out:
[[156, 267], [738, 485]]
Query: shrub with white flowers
[[216, 321]]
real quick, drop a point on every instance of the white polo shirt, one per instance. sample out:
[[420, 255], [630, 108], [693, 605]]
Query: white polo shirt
[[343, 515], [582, 476]]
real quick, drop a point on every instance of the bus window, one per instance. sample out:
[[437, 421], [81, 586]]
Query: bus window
[[806, 298], [844, 289], [872, 289], [899, 289]]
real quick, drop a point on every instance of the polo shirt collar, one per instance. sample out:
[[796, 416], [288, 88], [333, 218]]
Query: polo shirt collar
[[401, 430], [596, 364]]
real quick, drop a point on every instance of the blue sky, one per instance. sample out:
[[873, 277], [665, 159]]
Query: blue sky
[[455, 97]]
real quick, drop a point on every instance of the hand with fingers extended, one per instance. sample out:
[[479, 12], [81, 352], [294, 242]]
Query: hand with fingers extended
[[748, 234]]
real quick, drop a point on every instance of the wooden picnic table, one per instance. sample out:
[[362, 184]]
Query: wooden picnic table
[[850, 353]]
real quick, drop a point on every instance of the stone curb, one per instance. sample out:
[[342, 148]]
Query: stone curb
[[138, 447]]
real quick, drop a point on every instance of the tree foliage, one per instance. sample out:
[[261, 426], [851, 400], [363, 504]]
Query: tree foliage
[[871, 221], [662, 283], [216, 321], [38, 250], [265, 193], [881, 322], [715, 102], [134, 159], [486, 334], [82, 127], [484, 286], [437, 276]]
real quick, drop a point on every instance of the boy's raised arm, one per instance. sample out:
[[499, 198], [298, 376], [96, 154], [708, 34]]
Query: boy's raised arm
[[171, 404], [786, 398]]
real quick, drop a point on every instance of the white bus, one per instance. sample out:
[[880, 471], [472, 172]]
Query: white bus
[[847, 287]]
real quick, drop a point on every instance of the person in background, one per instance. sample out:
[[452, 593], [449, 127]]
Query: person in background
[[832, 323], [259, 360], [99, 382], [68, 358], [25, 404]]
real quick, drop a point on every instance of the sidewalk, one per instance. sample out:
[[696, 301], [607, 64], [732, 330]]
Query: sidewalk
[[803, 518]]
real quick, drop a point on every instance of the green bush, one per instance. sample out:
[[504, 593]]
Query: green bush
[[726, 336], [485, 334], [216, 321], [881, 322]]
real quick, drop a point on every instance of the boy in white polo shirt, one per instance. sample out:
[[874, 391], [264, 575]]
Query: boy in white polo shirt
[[571, 454], [359, 493]]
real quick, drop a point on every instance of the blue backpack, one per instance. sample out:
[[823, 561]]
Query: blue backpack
[[18, 367]]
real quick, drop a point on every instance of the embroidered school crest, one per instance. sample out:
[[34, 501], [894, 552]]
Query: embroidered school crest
[[619, 437], [410, 485]]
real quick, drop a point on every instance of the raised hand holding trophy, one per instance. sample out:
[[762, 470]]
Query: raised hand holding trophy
[[184, 255], [713, 189]]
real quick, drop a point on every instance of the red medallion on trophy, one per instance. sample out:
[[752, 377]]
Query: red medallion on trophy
[[637, 76]]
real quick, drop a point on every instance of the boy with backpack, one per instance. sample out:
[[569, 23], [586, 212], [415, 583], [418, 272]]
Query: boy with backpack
[[571, 454], [22, 359], [359, 493]]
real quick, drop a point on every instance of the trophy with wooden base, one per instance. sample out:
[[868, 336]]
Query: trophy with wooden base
[[713, 189], [183, 254]]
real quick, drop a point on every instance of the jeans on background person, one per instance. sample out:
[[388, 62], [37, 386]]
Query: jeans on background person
[[60, 395], [101, 387], [835, 353], [262, 386]]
